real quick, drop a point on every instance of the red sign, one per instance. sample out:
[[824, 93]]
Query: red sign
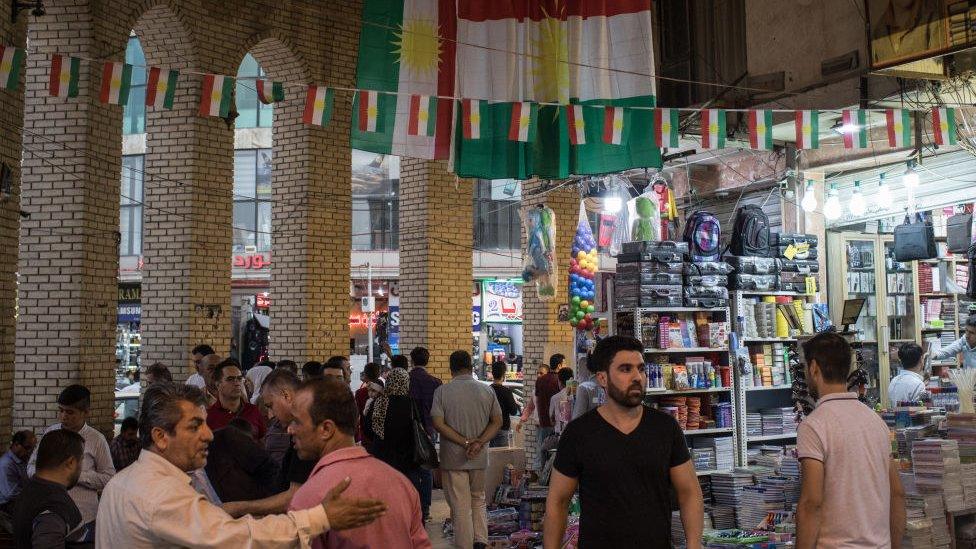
[[252, 261], [262, 301]]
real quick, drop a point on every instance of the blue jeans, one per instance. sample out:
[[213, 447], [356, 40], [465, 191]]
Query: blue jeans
[[501, 440], [423, 481], [541, 434]]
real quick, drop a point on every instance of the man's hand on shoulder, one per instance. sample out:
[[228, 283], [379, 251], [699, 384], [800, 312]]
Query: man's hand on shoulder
[[345, 513]]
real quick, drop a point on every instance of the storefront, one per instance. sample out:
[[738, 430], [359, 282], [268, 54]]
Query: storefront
[[499, 332]]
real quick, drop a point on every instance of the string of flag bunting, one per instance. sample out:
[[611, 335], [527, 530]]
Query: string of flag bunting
[[217, 94]]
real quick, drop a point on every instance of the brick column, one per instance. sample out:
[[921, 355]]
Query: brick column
[[435, 261], [11, 120], [543, 333], [68, 246]]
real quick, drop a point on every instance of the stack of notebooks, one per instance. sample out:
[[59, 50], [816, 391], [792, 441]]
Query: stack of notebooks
[[935, 512], [969, 484], [703, 457], [908, 435], [754, 424], [723, 517], [678, 530], [938, 471], [705, 482], [714, 453], [918, 527], [724, 453], [962, 429], [727, 487], [778, 421]]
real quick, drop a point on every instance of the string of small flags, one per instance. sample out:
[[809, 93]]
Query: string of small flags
[[615, 124]]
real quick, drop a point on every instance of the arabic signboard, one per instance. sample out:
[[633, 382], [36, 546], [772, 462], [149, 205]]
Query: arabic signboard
[[501, 301]]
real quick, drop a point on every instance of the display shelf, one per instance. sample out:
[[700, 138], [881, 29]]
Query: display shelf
[[678, 309], [712, 431], [768, 388], [747, 340], [685, 350], [687, 391], [764, 438]]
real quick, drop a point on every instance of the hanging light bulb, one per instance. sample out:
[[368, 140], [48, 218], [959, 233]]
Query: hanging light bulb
[[832, 209], [857, 205], [612, 204], [910, 179], [884, 193], [809, 202]]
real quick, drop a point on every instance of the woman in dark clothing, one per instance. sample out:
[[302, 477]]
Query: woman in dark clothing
[[388, 424]]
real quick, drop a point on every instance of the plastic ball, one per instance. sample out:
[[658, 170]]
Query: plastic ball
[[580, 314], [576, 300], [587, 317], [584, 304], [590, 309], [573, 322]]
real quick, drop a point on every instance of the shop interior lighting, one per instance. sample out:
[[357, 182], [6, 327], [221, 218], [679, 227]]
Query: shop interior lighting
[[884, 193], [910, 179], [843, 129], [809, 202], [832, 208], [857, 205], [612, 204]]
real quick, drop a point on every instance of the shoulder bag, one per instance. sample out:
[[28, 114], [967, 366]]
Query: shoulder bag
[[424, 453], [915, 240]]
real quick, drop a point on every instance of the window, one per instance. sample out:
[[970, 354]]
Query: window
[[375, 201], [497, 225], [134, 112], [253, 113], [252, 200], [130, 215]]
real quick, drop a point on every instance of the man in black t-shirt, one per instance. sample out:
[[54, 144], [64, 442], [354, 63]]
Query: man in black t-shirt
[[506, 399], [625, 458], [277, 395]]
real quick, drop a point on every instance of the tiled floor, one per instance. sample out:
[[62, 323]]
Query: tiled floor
[[438, 512]]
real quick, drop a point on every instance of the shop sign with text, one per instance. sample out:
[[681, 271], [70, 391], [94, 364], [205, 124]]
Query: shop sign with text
[[501, 301]]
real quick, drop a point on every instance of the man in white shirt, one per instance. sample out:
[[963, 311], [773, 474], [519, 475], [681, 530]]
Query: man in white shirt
[[151, 503], [909, 384], [966, 346], [197, 355], [74, 403]]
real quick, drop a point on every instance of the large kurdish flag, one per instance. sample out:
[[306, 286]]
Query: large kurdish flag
[[569, 46], [407, 47]]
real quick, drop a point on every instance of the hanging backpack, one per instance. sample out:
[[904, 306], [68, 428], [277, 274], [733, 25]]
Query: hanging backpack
[[750, 233], [702, 233], [959, 233]]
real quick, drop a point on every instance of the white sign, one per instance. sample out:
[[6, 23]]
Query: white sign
[[501, 301]]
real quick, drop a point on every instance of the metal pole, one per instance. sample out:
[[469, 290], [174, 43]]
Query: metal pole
[[369, 318]]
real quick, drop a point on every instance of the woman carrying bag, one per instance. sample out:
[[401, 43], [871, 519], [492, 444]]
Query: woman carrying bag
[[389, 425]]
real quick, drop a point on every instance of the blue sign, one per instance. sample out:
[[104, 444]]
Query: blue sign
[[129, 312]]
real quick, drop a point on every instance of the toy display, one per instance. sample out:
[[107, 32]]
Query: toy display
[[539, 261], [583, 265], [646, 218]]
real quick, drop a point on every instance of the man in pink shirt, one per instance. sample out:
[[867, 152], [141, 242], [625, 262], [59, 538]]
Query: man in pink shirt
[[850, 495], [323, 428]]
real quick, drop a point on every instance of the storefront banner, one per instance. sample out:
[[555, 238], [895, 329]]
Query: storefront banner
[[501, 301], [129, 312], [475, 320]]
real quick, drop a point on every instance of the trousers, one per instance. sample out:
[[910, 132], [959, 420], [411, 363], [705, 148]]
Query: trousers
[[465, 494]]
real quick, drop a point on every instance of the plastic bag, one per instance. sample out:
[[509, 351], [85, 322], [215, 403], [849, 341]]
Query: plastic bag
[[539, 260], [645, 217], [583, 265], [621, 226]]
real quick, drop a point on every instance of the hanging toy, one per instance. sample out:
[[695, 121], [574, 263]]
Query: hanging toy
[[583, 265], [538, 262], [647, 215]]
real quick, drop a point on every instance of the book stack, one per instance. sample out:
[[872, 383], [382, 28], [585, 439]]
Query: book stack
[[925, 276], [935, 511], [962, 429], [908, 435], [703, 457], [723, 517], [727, 489], [777, 421], [754, 424], [694, 413], [705, 482], [969, 484], [938, 471], [724, 453], [678, 530]]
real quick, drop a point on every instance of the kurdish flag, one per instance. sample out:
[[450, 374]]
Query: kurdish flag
[[524, 116], [944, 126], [216, 95], [367, 111], [807, 129], [116, 81], [318, 105], [713, 129], [11, 60], [579, 57], [613, 125], [471, 118], [666, 126], [63, 80], [269, 92], [855, 128], [406, 48], [161, 88], [423, 116], [899, 127], [761, 130]]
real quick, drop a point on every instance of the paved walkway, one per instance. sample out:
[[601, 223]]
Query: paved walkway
[[438, 512]]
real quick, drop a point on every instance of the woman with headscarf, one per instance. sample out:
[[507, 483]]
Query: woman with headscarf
[[389, 425]]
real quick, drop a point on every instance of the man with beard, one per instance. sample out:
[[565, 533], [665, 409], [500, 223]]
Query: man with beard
[[851, 494], [625, 458]]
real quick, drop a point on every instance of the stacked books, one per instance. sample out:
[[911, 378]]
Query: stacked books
[[935, 512], [938, 471], [724, 453], [723, 517], [962, 429], [918, 527], [754, 424], [727, 487], [703, 457], [777, 421]]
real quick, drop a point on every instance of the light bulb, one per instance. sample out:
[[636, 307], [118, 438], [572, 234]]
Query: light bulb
[[832, 209], [809, 202], [857, 205], [612, 204], [910, 179], [884, 193]]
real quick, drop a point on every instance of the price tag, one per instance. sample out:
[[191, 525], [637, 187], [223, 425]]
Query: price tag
[[803, 250], [790, 252], [811, 285]]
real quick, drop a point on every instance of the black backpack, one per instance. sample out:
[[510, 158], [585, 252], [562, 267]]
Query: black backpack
[[702, 233], [750, 233]]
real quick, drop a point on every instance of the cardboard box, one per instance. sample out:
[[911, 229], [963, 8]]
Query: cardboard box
[[498, 459]]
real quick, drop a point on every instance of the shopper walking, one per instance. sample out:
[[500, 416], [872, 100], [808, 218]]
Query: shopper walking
[[422, 387], [546, 386], [965, 345], [389, 426], [909, 384], [850, 494], [561, 404], [625, 459], [467, 415], [506, 400]]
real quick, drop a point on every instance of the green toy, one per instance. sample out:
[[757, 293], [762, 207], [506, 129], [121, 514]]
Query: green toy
[[644, 226]]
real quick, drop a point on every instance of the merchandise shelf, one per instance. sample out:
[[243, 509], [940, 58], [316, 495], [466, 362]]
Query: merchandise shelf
[[764, 438], [747, 340], [768, 388], [707, 472], [712, 431], [688, 391]]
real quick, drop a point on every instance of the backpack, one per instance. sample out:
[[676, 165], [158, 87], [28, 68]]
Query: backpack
[[750, 233], [702, 233]]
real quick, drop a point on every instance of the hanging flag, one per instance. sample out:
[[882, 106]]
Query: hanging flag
[[576, 124], [944, 126], [318, 105], [761, 130], [666, 126], [161, 88], [423, 115], [64, 76], [471, 118], [269, 92], [523, 123], [116, 81], [713, 129], [11, 59], [613, 125], [807, 129], [899, 127], [855, 129], [216, 95], [368, 111], [406, 48]]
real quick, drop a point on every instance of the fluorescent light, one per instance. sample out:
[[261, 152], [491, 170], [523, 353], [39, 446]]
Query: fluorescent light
[[884, 193], [910, 179]]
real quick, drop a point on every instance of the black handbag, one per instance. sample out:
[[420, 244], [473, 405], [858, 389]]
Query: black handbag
[[915, 240], [424, 453], [959, 233]]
